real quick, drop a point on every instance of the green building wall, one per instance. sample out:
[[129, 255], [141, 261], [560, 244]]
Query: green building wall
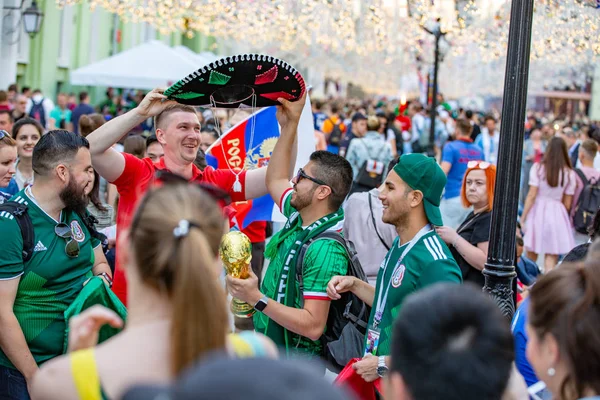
[[43, 70]]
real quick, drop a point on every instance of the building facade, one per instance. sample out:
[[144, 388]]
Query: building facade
[[70, 38]]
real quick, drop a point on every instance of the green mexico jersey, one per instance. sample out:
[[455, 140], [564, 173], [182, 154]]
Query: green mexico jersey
[[49, 281], [323, 260], [429, 261]]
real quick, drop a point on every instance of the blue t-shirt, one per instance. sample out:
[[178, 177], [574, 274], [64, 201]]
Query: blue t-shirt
[[458, 153], [81, 109], [520, 336], [11, 189]]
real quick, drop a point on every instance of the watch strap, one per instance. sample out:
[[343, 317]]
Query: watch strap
[[107, 278]]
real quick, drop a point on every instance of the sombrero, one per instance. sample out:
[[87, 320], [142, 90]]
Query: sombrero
[[254, 80]]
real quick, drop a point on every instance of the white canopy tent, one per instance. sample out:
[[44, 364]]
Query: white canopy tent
[[201, 59], [149, 65]]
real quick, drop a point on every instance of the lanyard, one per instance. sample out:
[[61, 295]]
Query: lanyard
[[381, 301]]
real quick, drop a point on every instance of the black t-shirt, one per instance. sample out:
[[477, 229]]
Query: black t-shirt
[[475, 229]]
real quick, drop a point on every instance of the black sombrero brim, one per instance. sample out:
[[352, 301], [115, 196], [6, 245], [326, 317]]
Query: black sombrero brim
[[254, 80]]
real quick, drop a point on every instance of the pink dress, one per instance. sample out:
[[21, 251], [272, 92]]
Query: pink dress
[[548, 226]]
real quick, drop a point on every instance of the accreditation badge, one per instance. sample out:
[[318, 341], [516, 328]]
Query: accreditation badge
[[373, 335]]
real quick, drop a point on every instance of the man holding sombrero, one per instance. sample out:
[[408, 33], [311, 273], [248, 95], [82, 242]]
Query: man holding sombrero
[[178, 131], [418, 258]]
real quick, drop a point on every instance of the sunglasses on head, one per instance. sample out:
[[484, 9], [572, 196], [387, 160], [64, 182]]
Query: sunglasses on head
[[3, 134], [480, 164], [302, 175], [64, 231]]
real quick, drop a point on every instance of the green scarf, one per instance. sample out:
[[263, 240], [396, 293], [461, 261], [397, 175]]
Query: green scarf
[[286, 289]]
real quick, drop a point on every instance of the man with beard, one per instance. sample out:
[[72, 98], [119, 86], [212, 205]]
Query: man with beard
[[418, 257], [293, 317], [34, 293], [178, 131]]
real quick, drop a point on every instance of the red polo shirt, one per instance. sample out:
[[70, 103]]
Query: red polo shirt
[[137, 176]]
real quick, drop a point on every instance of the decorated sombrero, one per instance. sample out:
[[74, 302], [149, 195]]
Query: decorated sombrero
[[254, 80]]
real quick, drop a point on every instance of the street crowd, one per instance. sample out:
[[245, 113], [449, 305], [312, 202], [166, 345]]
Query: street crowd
[[112, 285]]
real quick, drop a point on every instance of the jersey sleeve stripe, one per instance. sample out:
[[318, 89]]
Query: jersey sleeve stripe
[[434, 247], [283, 198], [315, 296], [436, 241], [10, 279], [433, 254]]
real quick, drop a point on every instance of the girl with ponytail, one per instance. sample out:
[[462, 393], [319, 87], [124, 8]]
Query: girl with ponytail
[[563, 329], [177, 307]]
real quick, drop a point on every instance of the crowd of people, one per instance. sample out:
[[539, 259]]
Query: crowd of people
[[111, 216]]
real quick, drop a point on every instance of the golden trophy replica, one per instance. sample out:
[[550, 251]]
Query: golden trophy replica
[[236, 252]]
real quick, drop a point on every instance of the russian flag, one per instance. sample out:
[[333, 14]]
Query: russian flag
[[248, 145]]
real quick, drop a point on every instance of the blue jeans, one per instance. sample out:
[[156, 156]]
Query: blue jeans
[[13, 385]]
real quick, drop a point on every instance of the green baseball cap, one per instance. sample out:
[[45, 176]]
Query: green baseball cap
[[424, 174]]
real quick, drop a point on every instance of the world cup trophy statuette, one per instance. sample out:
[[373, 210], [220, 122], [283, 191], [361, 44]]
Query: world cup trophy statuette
[[236, 253]]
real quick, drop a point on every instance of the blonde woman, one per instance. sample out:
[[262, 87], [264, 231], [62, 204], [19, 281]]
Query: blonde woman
[[177, 308]]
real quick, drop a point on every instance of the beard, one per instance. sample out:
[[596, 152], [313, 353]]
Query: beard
[[299, 201], [74, 198]]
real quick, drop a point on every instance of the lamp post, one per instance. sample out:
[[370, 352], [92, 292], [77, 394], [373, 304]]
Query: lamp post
[[499, 270], [31, 18], [436, 31]]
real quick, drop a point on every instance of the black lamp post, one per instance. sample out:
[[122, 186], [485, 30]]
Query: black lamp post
[[499, 269], [436, 31], [32, 17]]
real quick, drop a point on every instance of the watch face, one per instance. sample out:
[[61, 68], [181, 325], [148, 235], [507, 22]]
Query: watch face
[[261, 305], [382, 371]]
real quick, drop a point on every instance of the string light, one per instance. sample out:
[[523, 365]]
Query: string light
[[369, 42]]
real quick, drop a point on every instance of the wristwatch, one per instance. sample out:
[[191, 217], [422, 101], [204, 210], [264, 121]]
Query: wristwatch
[[107, 278], [382, 369], [261, 304]]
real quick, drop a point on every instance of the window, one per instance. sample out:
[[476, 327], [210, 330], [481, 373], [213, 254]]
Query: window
[[65, 38], [147, 32], [94, 35]]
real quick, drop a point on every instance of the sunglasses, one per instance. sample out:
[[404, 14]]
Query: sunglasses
[[3, 134], [63, 231], [480, 164], [302, 175]]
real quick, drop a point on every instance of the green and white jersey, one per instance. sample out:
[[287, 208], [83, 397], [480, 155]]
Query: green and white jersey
[[429, 261], [49, 281], [323, 260]]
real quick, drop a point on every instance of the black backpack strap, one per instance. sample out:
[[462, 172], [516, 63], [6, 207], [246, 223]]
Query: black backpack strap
[[582, 177], [332, 235], [375, 224], [90, 222], [19, 212]]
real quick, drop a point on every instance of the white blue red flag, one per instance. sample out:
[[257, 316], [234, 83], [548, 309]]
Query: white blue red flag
[[243, 147]]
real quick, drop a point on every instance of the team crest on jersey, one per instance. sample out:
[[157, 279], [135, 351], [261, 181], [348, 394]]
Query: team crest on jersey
[[77, 232], [398, 276]]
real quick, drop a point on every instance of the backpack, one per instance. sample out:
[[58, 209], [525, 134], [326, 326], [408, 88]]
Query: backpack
[[371, 172], [19, 212], [587, 205], [335, 137], [38, 113], [348, 317]]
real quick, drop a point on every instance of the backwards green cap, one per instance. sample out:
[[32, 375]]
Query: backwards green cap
[[424, 174]]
